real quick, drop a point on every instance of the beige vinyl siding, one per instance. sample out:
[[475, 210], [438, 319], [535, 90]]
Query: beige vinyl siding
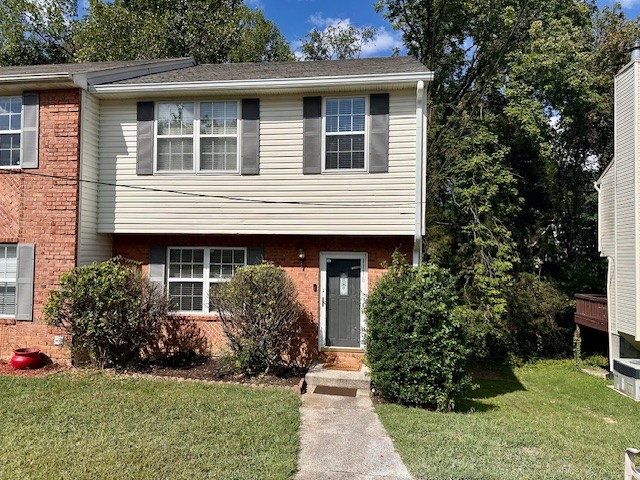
[[280, 194], [606, 213], [625, 192], [92, 246]]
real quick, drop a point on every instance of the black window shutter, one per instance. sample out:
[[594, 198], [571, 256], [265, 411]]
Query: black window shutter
[[30, 121], [24, 285], [144, 162], [312, 140], [255, 255], [379, 133], [157, 259], [250, 136]]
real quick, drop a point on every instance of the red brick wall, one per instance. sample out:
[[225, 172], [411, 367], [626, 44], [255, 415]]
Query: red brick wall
[[40, 210], [283, 251]]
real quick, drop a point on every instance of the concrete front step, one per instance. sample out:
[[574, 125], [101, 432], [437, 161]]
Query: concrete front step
[[319, 376]]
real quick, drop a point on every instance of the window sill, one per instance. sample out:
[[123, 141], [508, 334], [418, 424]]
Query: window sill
[[197, 316], [7, 321], [191, 172], [338, 171]]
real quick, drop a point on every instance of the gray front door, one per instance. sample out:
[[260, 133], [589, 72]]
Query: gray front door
[[343, 302]]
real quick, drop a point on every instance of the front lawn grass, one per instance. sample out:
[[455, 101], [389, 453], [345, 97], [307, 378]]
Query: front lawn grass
[[97, 425], [542, 421]]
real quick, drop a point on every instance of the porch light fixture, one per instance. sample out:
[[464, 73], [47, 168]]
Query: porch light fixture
[[301, 257]]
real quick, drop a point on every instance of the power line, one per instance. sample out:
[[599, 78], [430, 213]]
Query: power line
[[371, 203]]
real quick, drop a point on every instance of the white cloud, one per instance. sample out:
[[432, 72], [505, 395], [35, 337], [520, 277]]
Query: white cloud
[[255, 4], [629, 3], [318, 20], [384, 41]]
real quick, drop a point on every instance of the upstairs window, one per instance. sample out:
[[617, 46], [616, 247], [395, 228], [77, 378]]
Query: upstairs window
[[8, 278], [175, 137], [10, 131], [197, 137], [345, 128]]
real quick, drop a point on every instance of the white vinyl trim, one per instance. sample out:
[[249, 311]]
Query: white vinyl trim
[[322, 300], [196, 136], [206, 279], [268, 84], [366, 134], [417, 241]]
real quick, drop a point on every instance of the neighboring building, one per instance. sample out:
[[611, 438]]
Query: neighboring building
[[315, 166], [619, 217], [47, 219]]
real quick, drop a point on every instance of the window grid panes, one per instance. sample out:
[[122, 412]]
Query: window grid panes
[[190, 270], [345, 133], [10, 129], [8, 275], [175, 136], [199, 136]]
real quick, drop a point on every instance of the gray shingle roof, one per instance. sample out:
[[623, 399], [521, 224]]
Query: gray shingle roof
[[273, 70], [75, 68]]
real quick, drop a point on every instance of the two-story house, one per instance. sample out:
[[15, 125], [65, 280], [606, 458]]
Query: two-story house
[[619, 229], [315, 166]]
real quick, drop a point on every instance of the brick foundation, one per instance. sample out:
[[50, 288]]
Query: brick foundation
[[41, 210], [283, 251]]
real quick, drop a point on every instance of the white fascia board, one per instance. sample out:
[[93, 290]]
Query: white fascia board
[[267, 84], [34, 77]]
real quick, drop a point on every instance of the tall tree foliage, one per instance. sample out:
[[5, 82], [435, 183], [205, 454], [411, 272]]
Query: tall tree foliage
[[336, 42], [36, 32], [212, 31], [520, 126]]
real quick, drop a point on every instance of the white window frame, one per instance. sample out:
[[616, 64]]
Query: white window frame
[[196, 138], [14, 132], [324, 135], [10, 280], [206, 280]]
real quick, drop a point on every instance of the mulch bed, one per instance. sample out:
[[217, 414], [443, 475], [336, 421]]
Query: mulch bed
[[217, 369], [186, 367], [7, 370]]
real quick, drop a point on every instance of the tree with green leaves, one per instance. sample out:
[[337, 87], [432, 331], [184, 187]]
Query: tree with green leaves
[[519, 127], [336, 42], [33, 33], [212, 31]]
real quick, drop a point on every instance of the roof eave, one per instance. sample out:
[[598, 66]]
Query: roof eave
[[116, 74], [35, 78], [266, 84]]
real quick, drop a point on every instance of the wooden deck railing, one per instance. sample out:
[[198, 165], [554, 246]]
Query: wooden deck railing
[[591, 311]]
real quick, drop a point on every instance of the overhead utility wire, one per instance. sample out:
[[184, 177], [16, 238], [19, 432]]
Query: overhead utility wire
[[372, 203]]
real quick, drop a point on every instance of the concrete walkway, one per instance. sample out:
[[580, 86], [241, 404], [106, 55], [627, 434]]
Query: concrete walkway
[[342, 437]]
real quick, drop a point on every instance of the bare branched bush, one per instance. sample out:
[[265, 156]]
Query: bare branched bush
[[260, 315]]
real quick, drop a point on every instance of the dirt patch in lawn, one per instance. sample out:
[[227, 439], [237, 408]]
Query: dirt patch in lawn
[[218, 369], [7, 370]]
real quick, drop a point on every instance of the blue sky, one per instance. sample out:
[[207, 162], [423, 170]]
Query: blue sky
[[296, 17]]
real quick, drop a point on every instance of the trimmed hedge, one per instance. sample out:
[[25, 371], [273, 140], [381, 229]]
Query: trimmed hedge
[[415, 337]]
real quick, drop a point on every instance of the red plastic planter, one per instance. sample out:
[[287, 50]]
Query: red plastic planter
[[24, 358]]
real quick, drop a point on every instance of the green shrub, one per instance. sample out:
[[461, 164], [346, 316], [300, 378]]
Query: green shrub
[[113, 313], [530, 328], [534, 308], [260, 315], [415, 336], [596, 360]]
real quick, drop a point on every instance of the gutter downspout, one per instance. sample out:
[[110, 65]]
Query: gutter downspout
[[417, 238]]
